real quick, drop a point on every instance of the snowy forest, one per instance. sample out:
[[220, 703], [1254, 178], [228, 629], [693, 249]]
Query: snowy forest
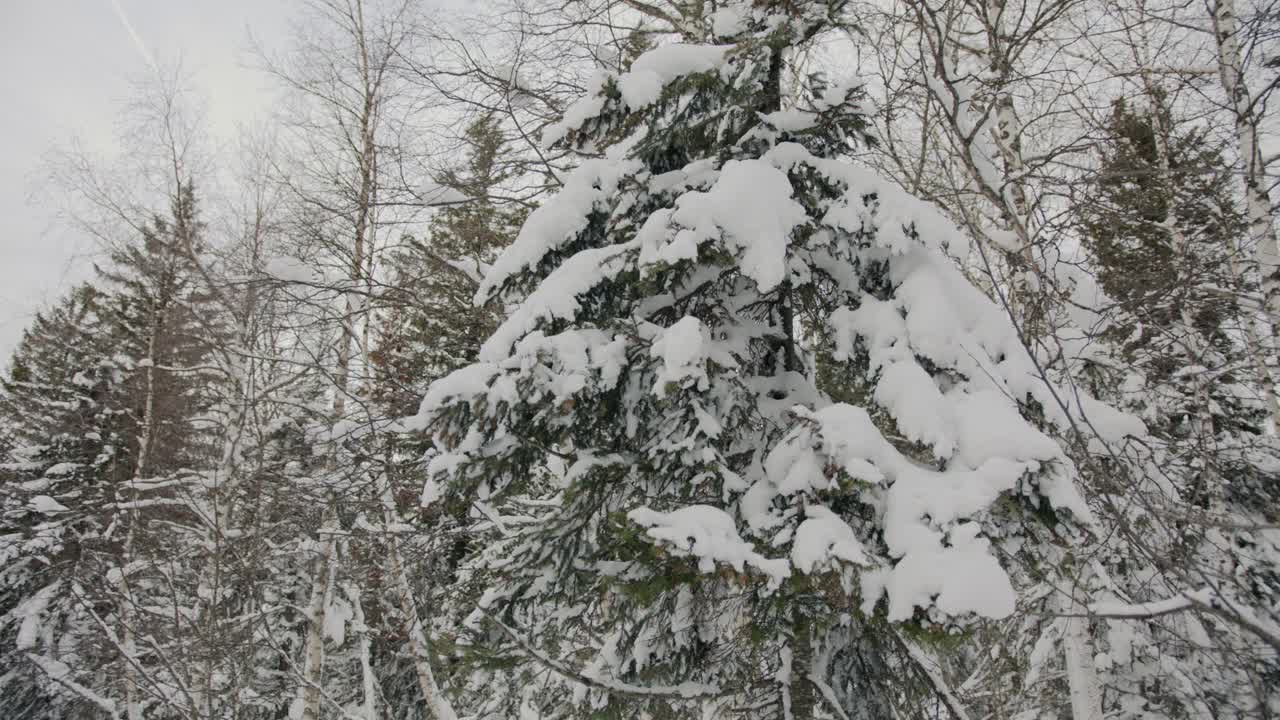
[[656, 359]]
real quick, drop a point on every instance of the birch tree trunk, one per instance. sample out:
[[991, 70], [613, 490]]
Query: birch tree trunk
[[344, 79], [323, 573], [1077, 648], [368, 681], [1262, 233], [128, 646], [419, 648]]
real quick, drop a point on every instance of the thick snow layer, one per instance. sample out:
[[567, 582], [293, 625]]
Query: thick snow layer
[[61, 469], [1108, 423], [822, 538], [659, 245], [587, 189], [31, 611], [729, 21], [709, 534], [685, 347], [557, 296], [906, 223], [922, 413], [463, 382], [921, 502], [937, 315], [959, 579], [752, 203], [46, 505], [793, 120], [682, 348], [989, 427], [651, 72], [937, 557], [31, 485]]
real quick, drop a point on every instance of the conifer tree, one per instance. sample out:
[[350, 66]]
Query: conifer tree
[[159, 313], [110, 394], [747, 435], [68, 437], [432, 326], [1163, 232], [1163, 228]]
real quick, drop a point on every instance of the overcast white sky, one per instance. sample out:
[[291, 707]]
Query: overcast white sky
[[66, 67]]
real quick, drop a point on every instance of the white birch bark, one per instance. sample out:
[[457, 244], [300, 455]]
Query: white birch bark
[[1227, 29], [419, 648], [128, 646], [1077, 648], [322, 581], [1262, 232], [369, 681]]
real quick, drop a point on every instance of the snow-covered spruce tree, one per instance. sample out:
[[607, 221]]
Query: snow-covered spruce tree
[[158, 309], [744, 414], [119, 513], [68, 439], [1162, 231]]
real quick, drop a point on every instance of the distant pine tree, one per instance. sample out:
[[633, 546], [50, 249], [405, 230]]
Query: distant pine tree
[[432, 326], [157, 310], [106, 396], [1163, 232]]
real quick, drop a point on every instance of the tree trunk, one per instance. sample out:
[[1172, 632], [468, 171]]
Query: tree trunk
[[322, 579], [419, 649], [1077, 650], [145, 434], [369, 682], [800, 700], [1262, 233]]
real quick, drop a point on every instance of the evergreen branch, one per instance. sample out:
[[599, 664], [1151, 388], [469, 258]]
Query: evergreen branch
[[685, 691]]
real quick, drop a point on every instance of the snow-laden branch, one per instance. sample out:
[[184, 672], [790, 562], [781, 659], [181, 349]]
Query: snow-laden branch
[[929, 667], [1206, 600], [683, 691], [829, 696], [60, 673], [1121, 610]]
